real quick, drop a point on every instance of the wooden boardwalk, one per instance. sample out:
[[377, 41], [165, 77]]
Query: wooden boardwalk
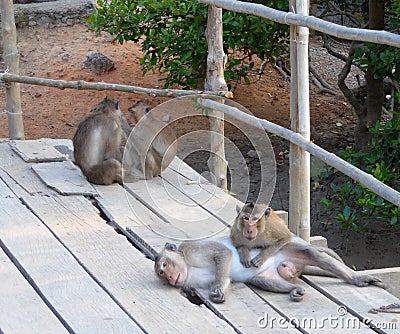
[[64, 268]]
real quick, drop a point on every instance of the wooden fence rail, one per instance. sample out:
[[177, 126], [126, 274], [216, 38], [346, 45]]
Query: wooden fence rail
[[290, 18], [331, 159]]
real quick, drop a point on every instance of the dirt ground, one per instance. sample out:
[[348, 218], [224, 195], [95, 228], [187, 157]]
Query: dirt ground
[[59, 53]]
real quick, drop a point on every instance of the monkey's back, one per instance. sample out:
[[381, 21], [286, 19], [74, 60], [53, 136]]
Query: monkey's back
[[91, 142]]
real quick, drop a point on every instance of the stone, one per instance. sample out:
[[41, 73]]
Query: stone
[[98, 63]]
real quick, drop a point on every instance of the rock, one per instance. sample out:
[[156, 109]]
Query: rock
[[252, 154], [98, 63]]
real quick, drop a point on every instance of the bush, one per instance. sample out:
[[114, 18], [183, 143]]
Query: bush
[[173, 41], [382, 161]]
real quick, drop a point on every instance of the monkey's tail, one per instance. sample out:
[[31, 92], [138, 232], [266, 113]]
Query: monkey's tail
[[106, 172]]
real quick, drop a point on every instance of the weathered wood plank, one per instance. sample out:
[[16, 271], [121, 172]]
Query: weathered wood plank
[[176, 208], [36, 151], [127, 212], [18, 174], [82, 304], [64, 146], [64, 177], [21, 308], [124, 272], [359, 301]]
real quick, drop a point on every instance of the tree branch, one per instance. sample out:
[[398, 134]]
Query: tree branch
[[61, 84], [342, 77]]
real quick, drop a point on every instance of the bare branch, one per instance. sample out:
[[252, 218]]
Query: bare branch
[[61, 84], [320, 79], [342, 77]]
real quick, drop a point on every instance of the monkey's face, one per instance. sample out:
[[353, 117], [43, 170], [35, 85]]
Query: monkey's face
[[136, 112], [171, 266], [250, 225]]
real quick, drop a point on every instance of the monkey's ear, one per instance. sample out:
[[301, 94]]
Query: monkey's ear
[[170, 247], [238, 209], [267, 212]]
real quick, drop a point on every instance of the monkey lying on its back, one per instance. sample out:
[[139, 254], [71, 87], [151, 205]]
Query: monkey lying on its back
[[214, 262]]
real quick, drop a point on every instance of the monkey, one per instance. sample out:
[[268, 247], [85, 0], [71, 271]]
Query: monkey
[[213, 263], [258, 226], [97, 143], [151, 145]]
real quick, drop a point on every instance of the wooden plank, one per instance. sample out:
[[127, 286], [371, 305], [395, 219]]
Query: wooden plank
[[65, 178], [36, 151], [127, 212], [212, 199], [124, 272], [21, 308], [359, 301], [176, 208], [79, 302], [64, 146], [242, 307], [18, 174]]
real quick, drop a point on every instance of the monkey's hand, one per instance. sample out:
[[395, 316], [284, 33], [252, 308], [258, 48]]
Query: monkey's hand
[[297, 293], [244, 256], [364, 280], [216, 294]]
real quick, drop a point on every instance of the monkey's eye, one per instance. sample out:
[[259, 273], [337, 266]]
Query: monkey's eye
[[161, 272], [164, 264], [246, 218]]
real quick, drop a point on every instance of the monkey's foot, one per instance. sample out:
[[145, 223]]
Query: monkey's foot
[[297, 294], [257, 261], [364, 280], [217, 295]]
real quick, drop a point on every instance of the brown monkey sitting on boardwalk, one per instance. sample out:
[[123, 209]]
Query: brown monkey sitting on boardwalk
[[258, 226], [97, 143], [212, 263], [151, 145]]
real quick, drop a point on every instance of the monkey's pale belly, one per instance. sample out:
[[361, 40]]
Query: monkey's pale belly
[[238, 273]]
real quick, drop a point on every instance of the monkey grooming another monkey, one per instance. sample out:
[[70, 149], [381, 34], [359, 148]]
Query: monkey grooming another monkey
[[97, 144], [151, 145], [258, 226], [212, 263]]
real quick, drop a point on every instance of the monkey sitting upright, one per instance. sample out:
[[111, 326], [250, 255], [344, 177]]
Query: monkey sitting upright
[[151, 145], [97, 144], [212, 263], [258, 226]]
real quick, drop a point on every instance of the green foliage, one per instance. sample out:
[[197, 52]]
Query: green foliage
[[172, 36], [353, 199], [385, 60]]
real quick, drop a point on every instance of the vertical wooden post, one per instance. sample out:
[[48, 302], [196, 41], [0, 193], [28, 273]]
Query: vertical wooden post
[[11, 59], [215, 80], [299, 169]]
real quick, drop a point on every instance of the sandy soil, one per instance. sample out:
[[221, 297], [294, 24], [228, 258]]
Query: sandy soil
[[59, 53]]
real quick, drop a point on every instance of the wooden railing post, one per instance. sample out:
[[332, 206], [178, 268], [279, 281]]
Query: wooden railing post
[[299, 167], [215, 80], [11, 59]]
